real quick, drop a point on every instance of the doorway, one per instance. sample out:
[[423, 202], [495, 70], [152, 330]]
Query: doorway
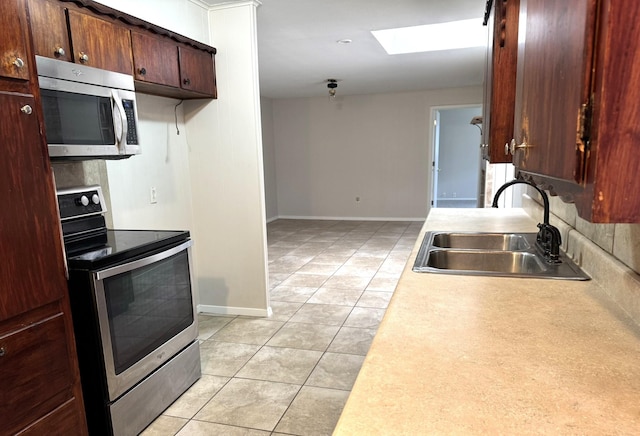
[[457, 175]]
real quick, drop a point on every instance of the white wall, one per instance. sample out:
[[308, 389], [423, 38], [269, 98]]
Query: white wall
[[164, 162], [209, 179], [163, 165], [184, 17], [227, 172], [375, 147], [269, 154]]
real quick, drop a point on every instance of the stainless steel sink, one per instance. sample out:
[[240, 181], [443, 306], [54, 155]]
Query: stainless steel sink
[[490, 254], [484, 241]]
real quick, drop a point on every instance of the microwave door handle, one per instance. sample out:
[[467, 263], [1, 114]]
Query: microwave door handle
[[119, 123]]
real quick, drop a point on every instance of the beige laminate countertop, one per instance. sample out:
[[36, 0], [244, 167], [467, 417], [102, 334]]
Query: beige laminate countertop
[[482, 355]]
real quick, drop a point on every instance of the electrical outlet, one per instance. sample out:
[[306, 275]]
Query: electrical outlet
[[153, 195]]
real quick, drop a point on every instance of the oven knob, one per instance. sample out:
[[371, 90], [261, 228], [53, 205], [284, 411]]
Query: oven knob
[[95, 199], [84, 201]]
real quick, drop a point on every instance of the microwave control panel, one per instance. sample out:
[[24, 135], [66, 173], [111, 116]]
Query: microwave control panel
[[129, 110]]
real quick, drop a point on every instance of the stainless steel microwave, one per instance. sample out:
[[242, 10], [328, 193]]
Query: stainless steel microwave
[[88, 113]]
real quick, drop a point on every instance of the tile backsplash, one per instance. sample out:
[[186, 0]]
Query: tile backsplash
[[81, 173], [620, 240], [608, 253]]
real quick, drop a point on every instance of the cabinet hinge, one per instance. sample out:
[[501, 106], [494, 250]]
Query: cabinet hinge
[[583, 136]]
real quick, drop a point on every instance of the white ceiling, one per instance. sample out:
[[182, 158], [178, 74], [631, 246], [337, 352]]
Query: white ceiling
[[298, 51]]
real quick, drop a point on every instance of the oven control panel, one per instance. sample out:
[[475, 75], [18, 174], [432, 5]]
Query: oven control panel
[[80, 202]]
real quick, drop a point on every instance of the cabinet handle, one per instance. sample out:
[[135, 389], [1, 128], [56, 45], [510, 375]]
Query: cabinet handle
[[187, 81], [18, 62], [84, 58], [506, 148], [59, 51], [26, 109], [514, 147], [142, 71], [3, 351]]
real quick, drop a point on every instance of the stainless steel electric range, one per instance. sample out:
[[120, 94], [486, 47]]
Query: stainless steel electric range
[[134, 314]]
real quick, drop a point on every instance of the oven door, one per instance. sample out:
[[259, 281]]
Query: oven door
[[146, 313]]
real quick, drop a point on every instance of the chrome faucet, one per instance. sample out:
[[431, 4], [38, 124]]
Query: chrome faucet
[[548, 239]]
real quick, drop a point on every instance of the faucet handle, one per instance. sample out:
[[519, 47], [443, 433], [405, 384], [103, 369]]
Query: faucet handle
[[548, 241]]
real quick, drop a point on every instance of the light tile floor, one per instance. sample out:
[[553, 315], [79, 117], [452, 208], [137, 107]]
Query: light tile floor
[[291, 374]]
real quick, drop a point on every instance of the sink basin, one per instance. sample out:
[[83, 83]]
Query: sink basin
[[490, 254], [485, 241], [509, 262]]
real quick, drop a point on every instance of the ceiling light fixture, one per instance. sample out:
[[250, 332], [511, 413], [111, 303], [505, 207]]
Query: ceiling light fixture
[[332, 84], [344, 41]]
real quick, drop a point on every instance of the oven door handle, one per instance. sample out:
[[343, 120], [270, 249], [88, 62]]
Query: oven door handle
[[126, 267]]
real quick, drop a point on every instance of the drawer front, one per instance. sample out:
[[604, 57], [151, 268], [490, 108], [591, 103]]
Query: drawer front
[[35, 372]]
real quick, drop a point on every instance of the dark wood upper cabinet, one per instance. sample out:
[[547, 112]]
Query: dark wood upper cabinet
[[197, 71], [577, 104], [14, 53], [612, 159], [165, 67], [155, 59], [99, 43], [501, 18], [162, 62], [63, 31], [49, 29], [554, 73]]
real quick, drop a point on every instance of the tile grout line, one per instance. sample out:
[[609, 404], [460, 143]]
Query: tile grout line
[[379, 232], [304, 383]]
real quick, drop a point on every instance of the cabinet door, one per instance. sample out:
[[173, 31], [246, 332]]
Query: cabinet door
[[500, 80], [614, 162], [35, 370], [553, 84], [49, 29], [197, 71], [14, 57], [32, 269], [155, 59], [65, 420], [99, 43]]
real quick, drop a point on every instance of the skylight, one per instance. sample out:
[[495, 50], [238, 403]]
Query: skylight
[[433, 37]]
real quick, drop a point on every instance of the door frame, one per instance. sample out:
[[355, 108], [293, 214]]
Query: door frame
[[435, 146]]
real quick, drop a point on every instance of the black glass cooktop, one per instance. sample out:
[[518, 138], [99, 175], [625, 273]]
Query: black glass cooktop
[[125, 245]]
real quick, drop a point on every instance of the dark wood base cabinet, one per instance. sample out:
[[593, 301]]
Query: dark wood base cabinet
[[39, 379]]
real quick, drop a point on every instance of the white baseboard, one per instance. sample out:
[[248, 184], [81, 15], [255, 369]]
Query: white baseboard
[[229, 310], [346, 218]]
